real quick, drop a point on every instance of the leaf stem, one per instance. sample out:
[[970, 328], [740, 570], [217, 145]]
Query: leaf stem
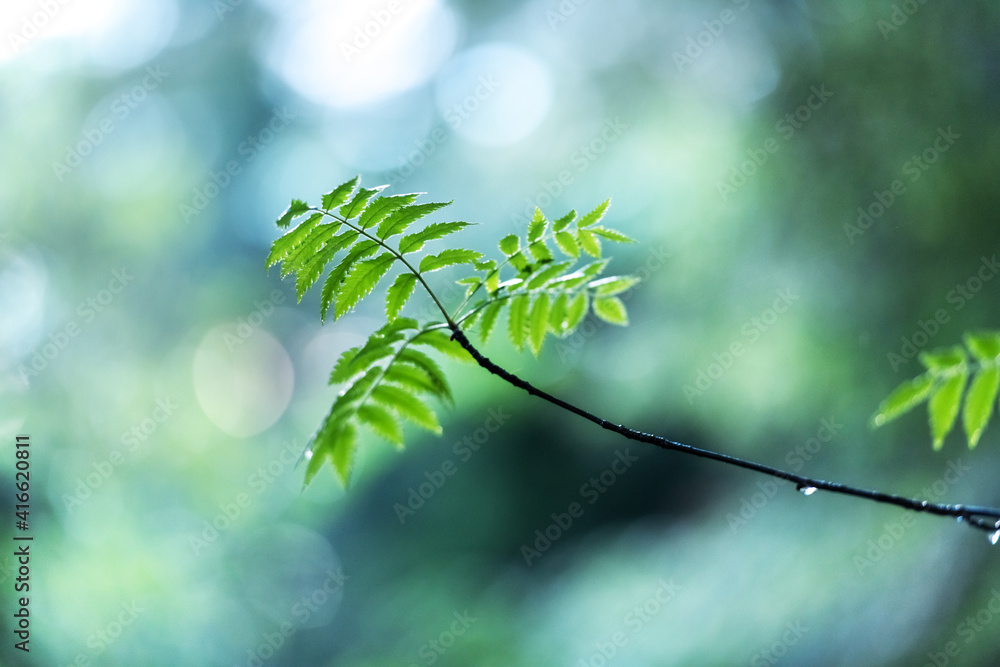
[[984, 518]]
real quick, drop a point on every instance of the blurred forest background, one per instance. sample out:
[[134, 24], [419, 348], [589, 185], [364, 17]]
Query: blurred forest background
[[811, 184]]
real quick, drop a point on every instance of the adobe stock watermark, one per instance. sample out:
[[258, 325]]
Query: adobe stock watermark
[[914, 168], [246, 326], [463, 450], [968, 630], [785, 127], [131, 439], [331, 590], [893, 531], [580, 161], [433, 649], [455, 116], [33, 24], [86, 312], [248, 149], [773, 654], [230, 511], [901, 13], [104, 637], [120, 109], [751, 331], [569, 347], [634, 621], [364, 35], [705, 38], [591, 491], [958, 297], [795, 460]]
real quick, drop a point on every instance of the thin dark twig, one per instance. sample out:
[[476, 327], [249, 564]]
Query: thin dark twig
[[971, 514]]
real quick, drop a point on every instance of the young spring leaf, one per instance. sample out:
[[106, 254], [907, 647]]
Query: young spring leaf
[[296, 208], [406, 405], [594, 216], [398, 294], [399, 220], [361, 199], [903, 399], [567, 243], [489, 320], [612, 285], [334, 281], [610, 309], [979, 403], [443, 343], [382, 422], [943, 407], [611, 234], [448, 258], [538, 322], [339, 194], [536, 228], [414, 242], [381, 207], [509, 244], [517, 320], [589, 242]]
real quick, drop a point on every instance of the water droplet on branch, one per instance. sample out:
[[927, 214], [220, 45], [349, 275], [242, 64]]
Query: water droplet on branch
[[995, 537], [806, 490]]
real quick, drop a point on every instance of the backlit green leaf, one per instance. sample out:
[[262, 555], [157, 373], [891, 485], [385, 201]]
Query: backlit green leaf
[[944, 359], [517, 320], [296, 208], [284, 245], [339, 194], [612, 285], [903, 399], [399, 220], [564, 222], [414, 242], [979, 403], [443, 343], [334, 281], [589, 242], [509, 244], [611, 234], [567, 243], [539, 322], [943, 407], [610, 309], [489, 319], [984, 345], [380, 207], [361, 199], [398, 294], [575, 312], [536, 228], [448, 258], [594, 216]]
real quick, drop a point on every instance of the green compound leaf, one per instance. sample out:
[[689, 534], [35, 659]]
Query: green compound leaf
[[979, 403], [575, 312], [610, 309], [943, 360], [339, 194], [943, 407], [287, 243], [564, 222], [398, 294], [430, 367]]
